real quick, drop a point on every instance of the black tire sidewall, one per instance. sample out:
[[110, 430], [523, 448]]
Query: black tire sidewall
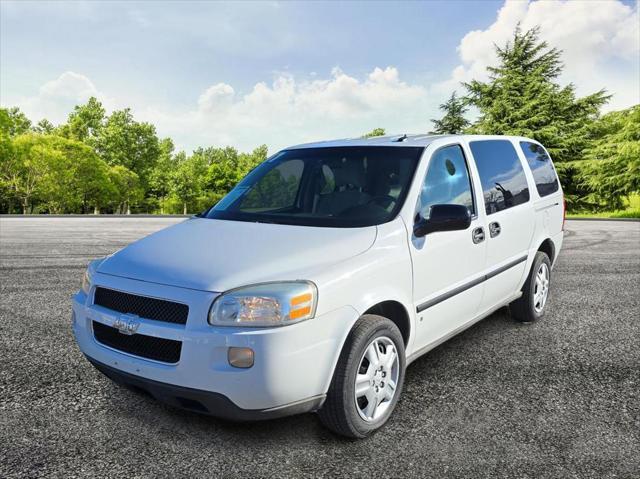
[[378, 327]]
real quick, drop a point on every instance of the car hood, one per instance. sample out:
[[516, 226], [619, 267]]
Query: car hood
[[217, 255]]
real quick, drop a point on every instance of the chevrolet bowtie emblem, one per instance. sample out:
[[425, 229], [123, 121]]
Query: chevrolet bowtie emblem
[[127, 324]]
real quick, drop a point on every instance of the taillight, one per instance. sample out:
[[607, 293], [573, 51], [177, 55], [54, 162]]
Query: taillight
[[564, 212]]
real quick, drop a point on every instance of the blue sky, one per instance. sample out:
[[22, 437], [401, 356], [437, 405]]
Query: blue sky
[[247, 73]]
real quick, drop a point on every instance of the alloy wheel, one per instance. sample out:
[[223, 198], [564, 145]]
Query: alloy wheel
[[377, 378], [541, 288]]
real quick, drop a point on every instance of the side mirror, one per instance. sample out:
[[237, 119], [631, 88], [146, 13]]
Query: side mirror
[[443, 218]]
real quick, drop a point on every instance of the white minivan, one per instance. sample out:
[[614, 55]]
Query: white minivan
[[325, 272]]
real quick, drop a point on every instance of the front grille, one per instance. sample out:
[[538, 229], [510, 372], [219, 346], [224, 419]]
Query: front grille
[[143, 306], [158, 349]]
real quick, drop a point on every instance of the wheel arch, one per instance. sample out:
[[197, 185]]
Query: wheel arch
[[548, 248], [397, 313]]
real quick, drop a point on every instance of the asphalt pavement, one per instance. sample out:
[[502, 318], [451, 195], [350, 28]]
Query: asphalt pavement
[[558, 398]]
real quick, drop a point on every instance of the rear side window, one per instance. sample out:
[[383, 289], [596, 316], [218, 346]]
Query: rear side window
[[504, 183], [541, 167]]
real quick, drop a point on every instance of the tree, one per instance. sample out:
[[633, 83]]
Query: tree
[[88, 185], [23, 169], [375, 132], [126, 142], [522, 97], [6, 153], [44, 127], [126, 188], [188, 179], [611, 171], [453, 121], [227, 167], [85, 122], [160, 177], [14, 121], [64, 175]]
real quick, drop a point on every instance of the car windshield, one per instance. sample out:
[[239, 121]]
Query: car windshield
[[334, 187]]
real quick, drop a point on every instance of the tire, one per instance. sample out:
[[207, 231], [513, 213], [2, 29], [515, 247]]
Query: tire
[[344, 413], [530, 306]]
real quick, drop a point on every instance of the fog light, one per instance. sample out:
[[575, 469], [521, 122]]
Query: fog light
[[240, 357]]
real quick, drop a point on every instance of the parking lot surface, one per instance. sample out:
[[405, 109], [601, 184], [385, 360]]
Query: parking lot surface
[[558, 398]]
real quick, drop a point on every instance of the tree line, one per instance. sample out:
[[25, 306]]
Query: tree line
[[99, 163]]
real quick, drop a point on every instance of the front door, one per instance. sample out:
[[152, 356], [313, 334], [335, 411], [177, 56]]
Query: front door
[[447, 266]]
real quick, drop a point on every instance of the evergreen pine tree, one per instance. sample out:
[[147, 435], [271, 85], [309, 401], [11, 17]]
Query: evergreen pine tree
[[453, 121], [522, 97], [612, 170]]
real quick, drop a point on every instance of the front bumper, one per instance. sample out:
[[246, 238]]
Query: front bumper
[[293, 364], [206, 402]]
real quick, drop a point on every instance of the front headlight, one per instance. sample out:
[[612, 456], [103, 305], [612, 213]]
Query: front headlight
[[87, 277], [86, 281], [264, 305]]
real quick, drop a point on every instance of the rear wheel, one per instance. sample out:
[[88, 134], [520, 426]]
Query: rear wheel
[[535, 292], [368, 379]]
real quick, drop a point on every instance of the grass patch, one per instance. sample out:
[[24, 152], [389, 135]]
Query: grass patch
[[631, 211], [607, 214]]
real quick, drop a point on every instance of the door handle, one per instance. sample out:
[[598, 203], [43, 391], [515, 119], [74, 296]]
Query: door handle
[[494, 229], [477, 235]]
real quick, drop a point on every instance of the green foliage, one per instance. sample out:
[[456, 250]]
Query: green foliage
[[98, 163], [227, 167], [611, 171], [61, 174], [523, 98], [375, 132], [21, 170], [5, 134], [76, 178], [453, 121], [85, 122], [126, 188], [13, 122], [44, 127], [126, 142], [188, 179], [160, 176]]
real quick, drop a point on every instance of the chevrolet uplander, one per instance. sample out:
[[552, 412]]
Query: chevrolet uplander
[[324, 273]]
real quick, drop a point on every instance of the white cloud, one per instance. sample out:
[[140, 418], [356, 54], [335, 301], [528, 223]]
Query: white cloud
[[285, 112], [56, 98], [600, 41], [290, 111], [216, 98], [69, 86]]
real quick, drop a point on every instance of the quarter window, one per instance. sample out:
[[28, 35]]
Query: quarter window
[[447, 181], [541, 168], [504, 184]]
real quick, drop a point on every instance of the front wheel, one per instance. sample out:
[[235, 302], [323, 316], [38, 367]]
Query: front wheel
[[368, 379], [535, 292]]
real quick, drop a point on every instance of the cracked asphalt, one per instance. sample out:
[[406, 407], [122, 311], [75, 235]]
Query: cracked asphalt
[[558, 398]]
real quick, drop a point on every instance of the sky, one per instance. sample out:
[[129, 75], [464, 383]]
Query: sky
[[281, 73]]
